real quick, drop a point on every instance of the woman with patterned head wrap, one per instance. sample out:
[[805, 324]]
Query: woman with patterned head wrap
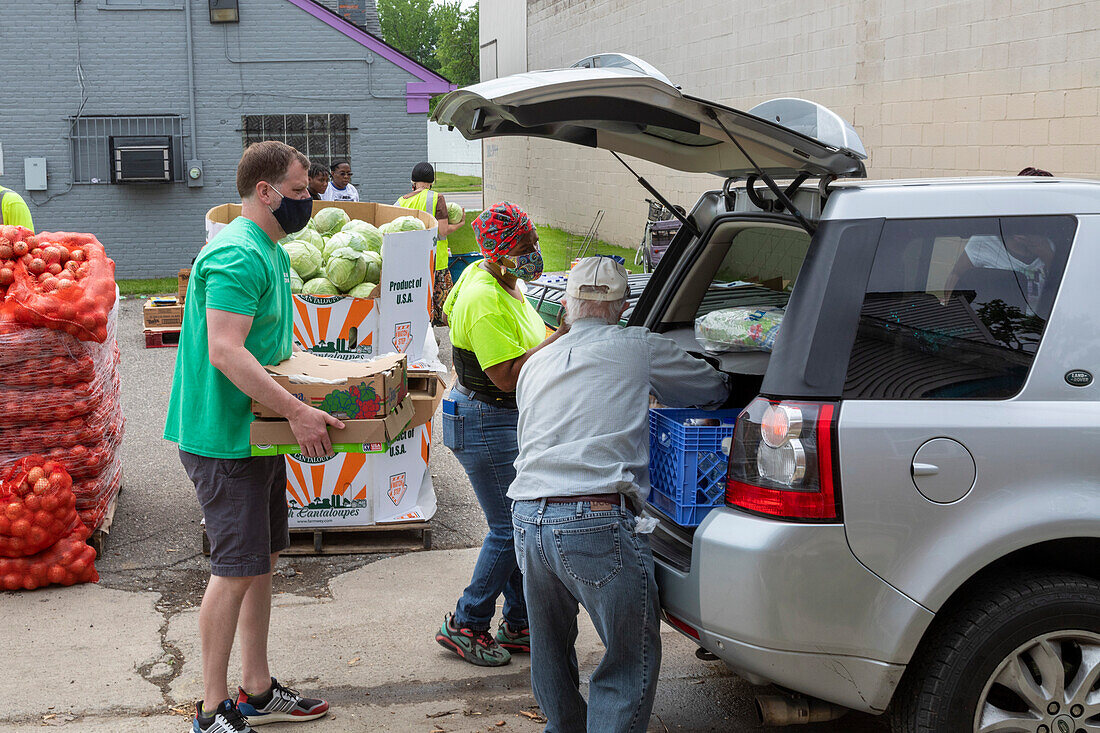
[[494, 330]]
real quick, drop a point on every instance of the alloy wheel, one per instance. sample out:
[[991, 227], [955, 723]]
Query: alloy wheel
[[1047, 685]]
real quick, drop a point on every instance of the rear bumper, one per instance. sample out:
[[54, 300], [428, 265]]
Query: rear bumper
[[789, 603]]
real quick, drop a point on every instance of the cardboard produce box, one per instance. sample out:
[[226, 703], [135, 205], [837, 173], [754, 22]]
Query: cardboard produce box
[[333, 491], [397, 318], [274, 437], [403, 489], [426, 390], [358, 489], [163, 313], [181, 284], [352, 390]]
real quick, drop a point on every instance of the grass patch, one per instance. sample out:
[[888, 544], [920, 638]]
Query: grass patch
[[553, 242], [154, 286], [451, 183]]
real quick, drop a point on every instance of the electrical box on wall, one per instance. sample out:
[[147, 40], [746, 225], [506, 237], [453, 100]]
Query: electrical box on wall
[[141, 159], [34, 174], [194, 174]]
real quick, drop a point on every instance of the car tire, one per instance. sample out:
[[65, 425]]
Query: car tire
[[956, 664]]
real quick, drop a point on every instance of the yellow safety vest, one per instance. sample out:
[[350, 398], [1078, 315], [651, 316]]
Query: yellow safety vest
[[425, 200], [14, 210]]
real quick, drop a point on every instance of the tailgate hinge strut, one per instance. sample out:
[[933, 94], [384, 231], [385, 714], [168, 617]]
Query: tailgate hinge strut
[[665, 202], [775, 189]]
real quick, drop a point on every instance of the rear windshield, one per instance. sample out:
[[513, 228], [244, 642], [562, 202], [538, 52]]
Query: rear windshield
[[955, 308], [759, 269]]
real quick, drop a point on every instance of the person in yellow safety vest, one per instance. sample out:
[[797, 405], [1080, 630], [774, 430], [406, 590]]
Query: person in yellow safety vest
[[423, 198], [14, 208]]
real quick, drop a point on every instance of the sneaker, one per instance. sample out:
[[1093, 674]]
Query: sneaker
[[279, 704], [514, 641], [226, 718], [476, 647]]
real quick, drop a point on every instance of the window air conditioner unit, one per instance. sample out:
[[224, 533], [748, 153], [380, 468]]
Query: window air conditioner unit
[[141, 159]]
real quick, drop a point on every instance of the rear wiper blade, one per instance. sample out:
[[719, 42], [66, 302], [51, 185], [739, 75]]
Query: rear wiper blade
[[775, 189], [664, 202]]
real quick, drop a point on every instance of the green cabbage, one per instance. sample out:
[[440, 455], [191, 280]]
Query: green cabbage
[[330, 220], [319, 286], [312, 225], [311, 236], [345, 268], [363, 290], [402, 224], [295, 282], [307, 234], [374, 267], [304, 258], [454, 213], [368, 231], [352, 240]]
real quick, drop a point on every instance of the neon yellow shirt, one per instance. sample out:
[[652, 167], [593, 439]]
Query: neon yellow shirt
[[15, 211], [488, 321], [425, 200]]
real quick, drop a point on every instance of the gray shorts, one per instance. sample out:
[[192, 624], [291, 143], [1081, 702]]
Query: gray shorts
[[244, 503]]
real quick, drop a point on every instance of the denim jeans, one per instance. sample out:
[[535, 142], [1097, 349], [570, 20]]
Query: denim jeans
[[571, 554], [483, 438]]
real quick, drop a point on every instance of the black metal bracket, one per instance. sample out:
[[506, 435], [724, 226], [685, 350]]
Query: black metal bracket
[[776, 206]]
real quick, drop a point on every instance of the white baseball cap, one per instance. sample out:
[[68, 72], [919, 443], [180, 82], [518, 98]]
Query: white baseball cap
[[597, 278]]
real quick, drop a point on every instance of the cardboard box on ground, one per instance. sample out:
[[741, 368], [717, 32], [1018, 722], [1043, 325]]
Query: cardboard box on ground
[[393, 483], [163, 313], [181, 284]]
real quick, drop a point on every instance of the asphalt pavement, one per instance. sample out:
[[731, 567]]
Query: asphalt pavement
[[123, 655]]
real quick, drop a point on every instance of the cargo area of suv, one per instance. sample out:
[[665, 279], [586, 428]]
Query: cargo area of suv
[[901, 465]]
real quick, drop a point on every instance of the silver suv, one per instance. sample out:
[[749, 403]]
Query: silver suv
[[911, 522]]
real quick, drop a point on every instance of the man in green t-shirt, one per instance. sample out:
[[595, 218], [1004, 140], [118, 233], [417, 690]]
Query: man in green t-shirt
[[238, 317]]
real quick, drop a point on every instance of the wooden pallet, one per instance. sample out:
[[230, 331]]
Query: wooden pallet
[[396, 537], [158, 338]]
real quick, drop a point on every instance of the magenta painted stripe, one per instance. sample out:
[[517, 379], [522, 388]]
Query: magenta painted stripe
[[417, 94], [368, 41]]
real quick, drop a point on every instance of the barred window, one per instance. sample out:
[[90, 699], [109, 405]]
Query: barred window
[[90, 142], [322, 138]]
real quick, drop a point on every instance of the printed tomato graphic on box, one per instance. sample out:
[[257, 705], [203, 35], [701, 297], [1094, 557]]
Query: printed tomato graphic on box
[[358, 402]]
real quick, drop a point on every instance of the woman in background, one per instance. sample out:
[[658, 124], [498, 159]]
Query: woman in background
[[423, 198]]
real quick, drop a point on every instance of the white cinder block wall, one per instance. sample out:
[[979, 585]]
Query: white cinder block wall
[[936, 87]]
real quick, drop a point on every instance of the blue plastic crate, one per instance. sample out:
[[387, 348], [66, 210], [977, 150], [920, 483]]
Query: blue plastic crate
[[457, 263], [687, 468]]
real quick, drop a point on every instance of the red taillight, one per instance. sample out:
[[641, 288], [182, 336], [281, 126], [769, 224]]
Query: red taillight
[[783, 461], [682, 626]]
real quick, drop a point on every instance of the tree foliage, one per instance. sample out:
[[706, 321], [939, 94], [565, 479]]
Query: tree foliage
[[412, 27], [441, 36], [457, 50]]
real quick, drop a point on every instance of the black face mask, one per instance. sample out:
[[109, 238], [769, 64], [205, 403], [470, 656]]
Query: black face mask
[[292, 214]]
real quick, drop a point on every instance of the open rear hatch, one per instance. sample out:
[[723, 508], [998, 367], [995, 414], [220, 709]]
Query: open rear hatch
[[627, 111]]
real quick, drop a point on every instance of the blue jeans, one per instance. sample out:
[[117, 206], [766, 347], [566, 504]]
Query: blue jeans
[[570, 554], [483, 438]]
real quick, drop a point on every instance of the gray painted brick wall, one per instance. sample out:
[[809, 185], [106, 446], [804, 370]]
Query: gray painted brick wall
[[134, 63]]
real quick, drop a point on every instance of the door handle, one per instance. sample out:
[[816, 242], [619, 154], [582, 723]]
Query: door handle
[[925, 469]]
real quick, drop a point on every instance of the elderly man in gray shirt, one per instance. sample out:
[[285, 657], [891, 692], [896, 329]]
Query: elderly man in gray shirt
[[582, 476]]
